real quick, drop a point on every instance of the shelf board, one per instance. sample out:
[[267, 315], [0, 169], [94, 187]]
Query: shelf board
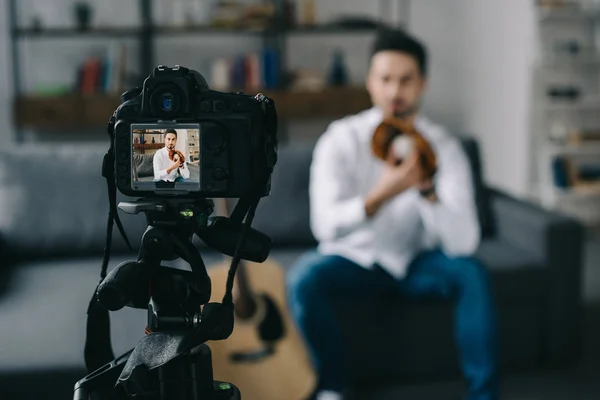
[[585, 104], [586, 61], [209, 30], [567, 14], [76, 111], [148, 146], [583, 149], [550, 194], [66, 32], [330, 28]]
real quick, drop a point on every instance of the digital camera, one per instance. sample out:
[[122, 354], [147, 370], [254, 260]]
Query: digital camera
[[176, 137]]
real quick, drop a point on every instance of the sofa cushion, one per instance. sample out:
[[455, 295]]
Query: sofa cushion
[[54, 201], [284, 214], [517, 273], [143, 164]]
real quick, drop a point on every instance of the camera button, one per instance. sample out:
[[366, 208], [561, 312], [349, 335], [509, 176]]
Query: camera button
[[205, 106], [219, 174], [218, 106]]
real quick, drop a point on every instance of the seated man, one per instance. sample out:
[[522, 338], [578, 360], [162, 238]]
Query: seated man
[[169, 164], [383, 228]]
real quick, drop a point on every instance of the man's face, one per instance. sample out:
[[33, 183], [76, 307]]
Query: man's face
[[395, 83], [170, 141]]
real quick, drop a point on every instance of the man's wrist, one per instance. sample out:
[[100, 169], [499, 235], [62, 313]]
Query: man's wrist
[[429, 194], [374, 201]]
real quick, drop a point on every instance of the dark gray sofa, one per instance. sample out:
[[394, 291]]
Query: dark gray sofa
[[53, 211]]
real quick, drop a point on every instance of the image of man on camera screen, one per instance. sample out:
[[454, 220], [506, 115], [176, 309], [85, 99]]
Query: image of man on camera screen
[[169, 163]]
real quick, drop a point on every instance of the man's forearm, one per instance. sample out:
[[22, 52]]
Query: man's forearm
[[374, 201]]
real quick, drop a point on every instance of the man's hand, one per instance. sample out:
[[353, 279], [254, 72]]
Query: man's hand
[[394, 180], [174, 165]]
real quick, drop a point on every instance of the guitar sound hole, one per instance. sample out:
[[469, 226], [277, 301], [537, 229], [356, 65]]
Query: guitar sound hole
[[270, 329]]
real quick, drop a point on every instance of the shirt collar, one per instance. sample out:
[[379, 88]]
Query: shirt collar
[[375, 116]]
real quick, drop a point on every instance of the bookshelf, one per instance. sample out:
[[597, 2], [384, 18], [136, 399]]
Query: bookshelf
[[565, 139], [78, 111]]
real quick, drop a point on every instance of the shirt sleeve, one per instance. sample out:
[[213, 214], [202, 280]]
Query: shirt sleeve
[[185, 172], [336, 208], [452, 222], [160, 169]]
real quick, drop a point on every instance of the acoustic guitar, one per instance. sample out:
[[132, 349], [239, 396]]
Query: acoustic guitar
[[265, 356]]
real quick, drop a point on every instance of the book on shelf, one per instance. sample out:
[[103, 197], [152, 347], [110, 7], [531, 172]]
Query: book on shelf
[[107, 74], [251, 71], [571, 172], [104, 74]]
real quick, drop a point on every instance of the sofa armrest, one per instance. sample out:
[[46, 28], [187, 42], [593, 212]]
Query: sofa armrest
[[557, 241]]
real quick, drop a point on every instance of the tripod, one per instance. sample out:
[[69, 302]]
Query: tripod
[[171, 361]]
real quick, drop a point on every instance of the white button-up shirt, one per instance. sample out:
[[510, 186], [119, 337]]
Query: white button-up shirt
[[344, 171], [161, 163]]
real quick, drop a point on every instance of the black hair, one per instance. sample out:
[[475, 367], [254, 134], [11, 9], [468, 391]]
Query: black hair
[[171, 130], [389, 39]]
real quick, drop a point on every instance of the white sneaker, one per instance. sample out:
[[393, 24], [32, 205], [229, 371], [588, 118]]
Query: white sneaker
[[328, 395]]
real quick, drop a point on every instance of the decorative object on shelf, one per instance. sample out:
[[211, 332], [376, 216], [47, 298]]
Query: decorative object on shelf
[[338, 72], [289, 13], [560, 172], [308, 12], [355, 22], [153, 141], [564, 92], [569, 47], [552, 4], [36, 23], [307, 80], [558, 132], [233, 14], [83, 12], [579, 136], [189, 12]]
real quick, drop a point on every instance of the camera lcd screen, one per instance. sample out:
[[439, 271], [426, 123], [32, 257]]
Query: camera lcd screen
[[165, 157]]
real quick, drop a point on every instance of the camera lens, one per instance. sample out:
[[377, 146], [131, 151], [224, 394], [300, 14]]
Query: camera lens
[[167, 101]]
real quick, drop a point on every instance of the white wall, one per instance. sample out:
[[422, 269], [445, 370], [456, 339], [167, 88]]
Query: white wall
[[479, 65], [499, 41]]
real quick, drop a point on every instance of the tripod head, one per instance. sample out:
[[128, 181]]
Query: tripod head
[[171, 361]]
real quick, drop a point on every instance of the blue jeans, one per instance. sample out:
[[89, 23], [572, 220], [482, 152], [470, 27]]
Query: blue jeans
[[318, 282]]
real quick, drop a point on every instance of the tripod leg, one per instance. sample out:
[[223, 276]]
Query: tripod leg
[[101, 381], [187, 251]]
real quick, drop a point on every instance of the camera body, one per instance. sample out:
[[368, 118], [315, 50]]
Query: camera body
[[200, 143]]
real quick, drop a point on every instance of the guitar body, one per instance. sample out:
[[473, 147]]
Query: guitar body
[[265, 356]]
